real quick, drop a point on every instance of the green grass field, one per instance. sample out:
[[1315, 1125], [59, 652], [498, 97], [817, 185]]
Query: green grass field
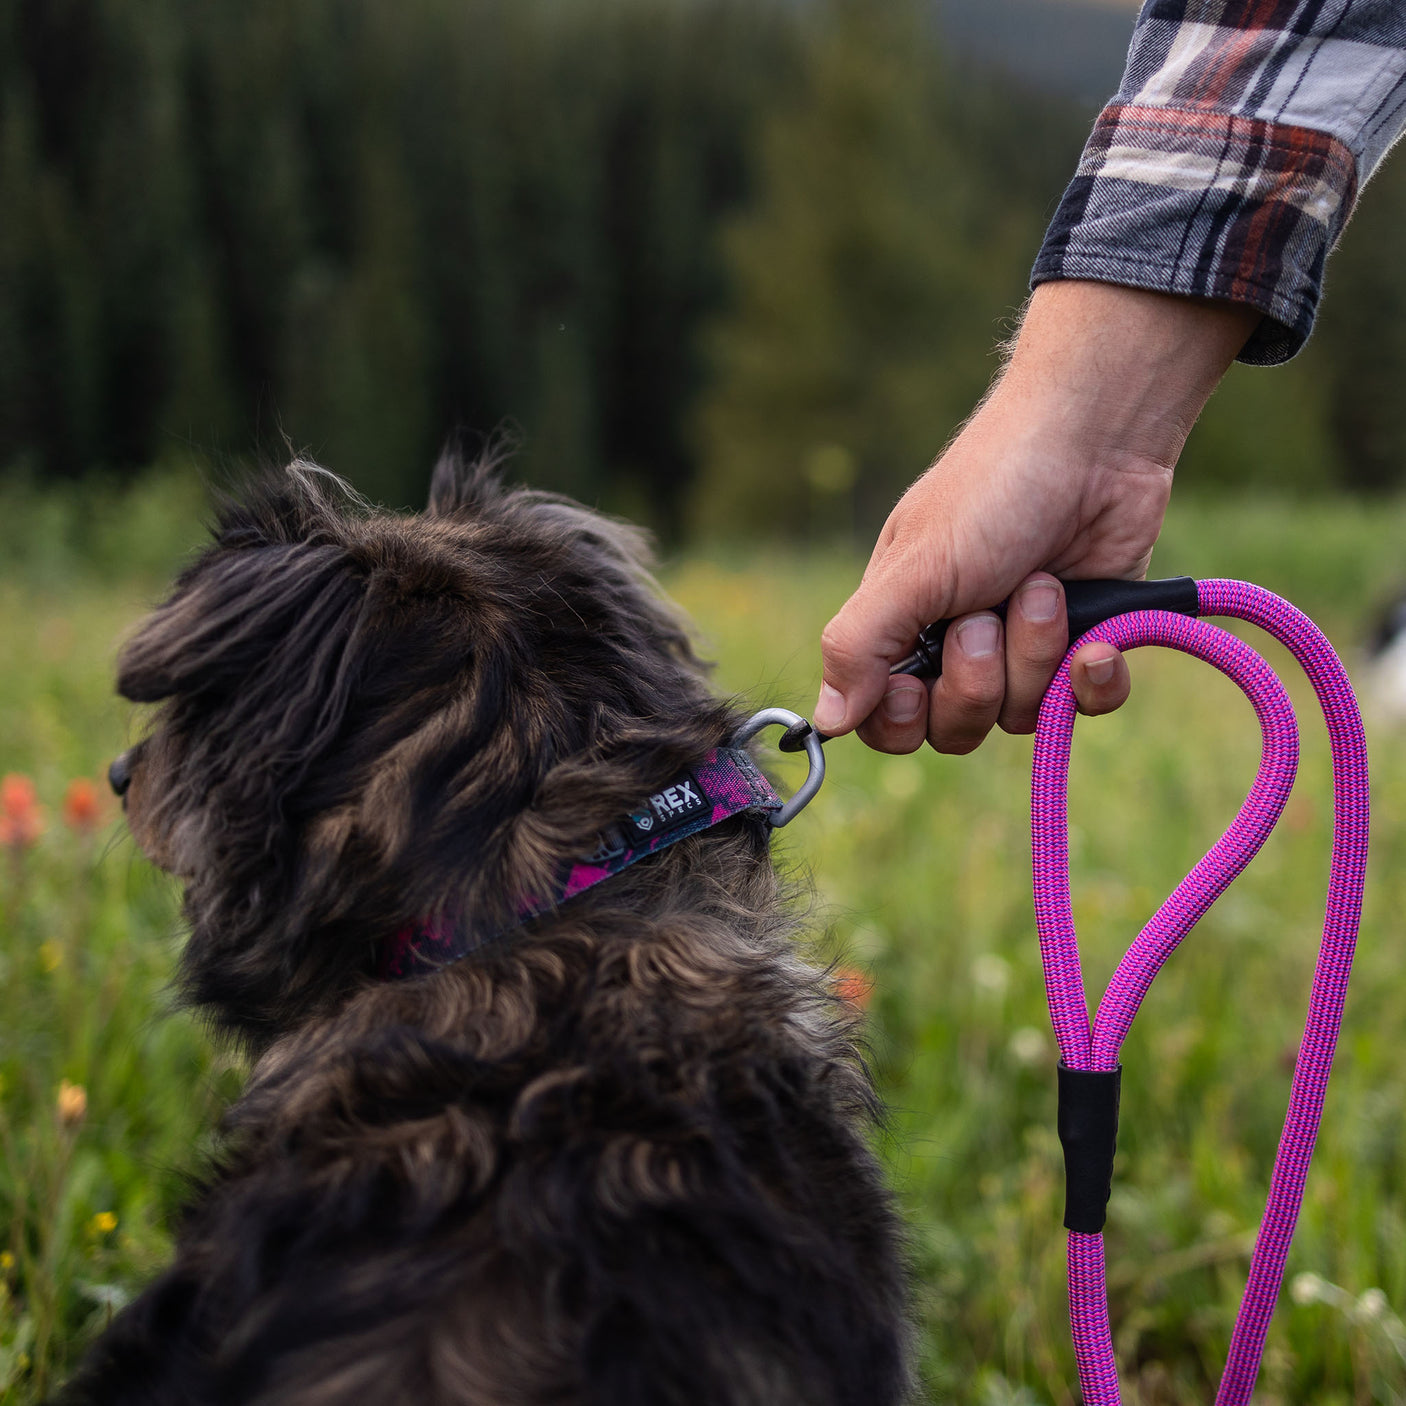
[[920, 870]]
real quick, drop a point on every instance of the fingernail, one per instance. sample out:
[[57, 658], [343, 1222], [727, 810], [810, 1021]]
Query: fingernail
[[1039, 601], [829, 709], [1100, 670], [979, 636], [902, 705]]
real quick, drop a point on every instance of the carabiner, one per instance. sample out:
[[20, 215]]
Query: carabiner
[[784, 717]]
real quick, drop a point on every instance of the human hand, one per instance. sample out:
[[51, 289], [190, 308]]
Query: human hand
[[1065, 468]]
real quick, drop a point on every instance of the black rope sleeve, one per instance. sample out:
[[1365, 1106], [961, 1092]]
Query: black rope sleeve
[[1088, 1132]]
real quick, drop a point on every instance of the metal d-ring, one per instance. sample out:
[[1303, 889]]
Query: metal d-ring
[[815, 754]]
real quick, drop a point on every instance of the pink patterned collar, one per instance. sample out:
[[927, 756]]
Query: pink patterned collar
[[726, 783]]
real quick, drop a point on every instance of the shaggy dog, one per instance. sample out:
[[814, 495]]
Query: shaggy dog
[[616, 1154]]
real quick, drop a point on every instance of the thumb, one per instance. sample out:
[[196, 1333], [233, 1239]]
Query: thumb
[[872, 631]]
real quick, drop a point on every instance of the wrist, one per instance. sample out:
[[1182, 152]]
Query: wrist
[[1121, 374]]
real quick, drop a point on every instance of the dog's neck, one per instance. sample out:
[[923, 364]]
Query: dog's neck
[[726, 783]]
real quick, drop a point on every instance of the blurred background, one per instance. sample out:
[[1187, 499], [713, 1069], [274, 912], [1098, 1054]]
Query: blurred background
[[735, 269], [721, 265]]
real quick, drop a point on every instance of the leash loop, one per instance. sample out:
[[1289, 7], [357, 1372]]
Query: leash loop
[[1091, 1048]]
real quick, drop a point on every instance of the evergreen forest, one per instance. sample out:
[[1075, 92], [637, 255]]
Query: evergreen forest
[[726, 266]]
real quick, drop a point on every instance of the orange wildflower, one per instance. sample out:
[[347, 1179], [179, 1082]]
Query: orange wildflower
[[82, 806], [852, 986], [71, 1104], [21, 820]]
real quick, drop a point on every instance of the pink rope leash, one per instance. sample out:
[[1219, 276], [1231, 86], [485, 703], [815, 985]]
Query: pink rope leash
[[1089, 1053]]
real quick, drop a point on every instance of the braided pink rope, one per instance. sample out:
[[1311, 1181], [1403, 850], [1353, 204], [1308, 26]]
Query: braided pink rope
[[1096, 1046]]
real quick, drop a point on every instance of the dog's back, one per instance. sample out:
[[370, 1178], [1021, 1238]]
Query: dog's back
[[615, 1154]]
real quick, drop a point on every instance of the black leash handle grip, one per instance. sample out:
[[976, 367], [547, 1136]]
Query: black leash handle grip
[[1086, 604]]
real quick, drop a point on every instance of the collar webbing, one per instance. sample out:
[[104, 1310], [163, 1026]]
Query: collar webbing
[[726, 783]]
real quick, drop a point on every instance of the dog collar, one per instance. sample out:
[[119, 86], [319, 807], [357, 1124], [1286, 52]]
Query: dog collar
[[726, 783]]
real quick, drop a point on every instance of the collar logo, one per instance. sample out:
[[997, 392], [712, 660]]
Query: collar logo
[[674, 805]]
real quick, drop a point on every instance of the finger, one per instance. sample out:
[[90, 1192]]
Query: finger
[[872, 630], [966, 699], [1100, 678], [1037, 636], [900, 722]]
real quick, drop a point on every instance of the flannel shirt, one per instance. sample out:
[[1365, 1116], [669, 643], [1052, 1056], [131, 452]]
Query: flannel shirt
[[1229, 161]]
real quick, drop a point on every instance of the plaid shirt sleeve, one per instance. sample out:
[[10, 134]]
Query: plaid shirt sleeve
[[1229, 161]]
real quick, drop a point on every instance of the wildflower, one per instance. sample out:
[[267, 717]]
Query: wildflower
[[1371, 1306], [7, 1261], [991, 973], [1028, 1046], [82, 806], [21, 820], [104, 1223], [853, 987], [50, 955], [72, 1103]]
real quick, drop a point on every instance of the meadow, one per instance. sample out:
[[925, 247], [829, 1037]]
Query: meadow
[[919, 870]]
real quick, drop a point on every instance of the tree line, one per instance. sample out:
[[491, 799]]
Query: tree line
[[718, 264]]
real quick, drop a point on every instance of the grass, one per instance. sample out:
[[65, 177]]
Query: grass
[[921, 866]]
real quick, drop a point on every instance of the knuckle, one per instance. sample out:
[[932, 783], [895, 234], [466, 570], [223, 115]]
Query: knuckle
[[837, 644], [980, 695], [957, 728], [1041, 654], [968, 699], [832, 640]]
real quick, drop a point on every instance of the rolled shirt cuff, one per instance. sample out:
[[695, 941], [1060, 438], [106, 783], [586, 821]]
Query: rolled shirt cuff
[[1207, 204]]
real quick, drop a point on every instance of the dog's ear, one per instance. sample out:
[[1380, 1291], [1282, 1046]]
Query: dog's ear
[[463, 487], [234, 613], [277, 581]]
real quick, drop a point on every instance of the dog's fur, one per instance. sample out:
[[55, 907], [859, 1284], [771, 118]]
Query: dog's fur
[[615, 1156]]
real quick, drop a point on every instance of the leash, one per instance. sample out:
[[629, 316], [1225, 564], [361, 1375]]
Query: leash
[[1129, 614], [1089, 1069]]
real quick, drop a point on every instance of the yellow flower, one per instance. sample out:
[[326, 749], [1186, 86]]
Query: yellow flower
[[50, 955], [72, 1103], [104, 1223], [7, 1261]]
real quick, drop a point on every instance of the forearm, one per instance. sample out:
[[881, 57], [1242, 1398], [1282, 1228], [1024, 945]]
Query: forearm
[[1119, 372]]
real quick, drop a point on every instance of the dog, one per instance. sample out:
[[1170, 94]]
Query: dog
[[607, 1149]]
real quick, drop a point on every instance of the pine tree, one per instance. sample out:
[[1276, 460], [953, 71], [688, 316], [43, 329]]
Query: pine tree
[[866, 281], [1363, 336]]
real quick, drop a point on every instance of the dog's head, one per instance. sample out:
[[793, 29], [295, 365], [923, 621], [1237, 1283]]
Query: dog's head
[[367, 718]]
